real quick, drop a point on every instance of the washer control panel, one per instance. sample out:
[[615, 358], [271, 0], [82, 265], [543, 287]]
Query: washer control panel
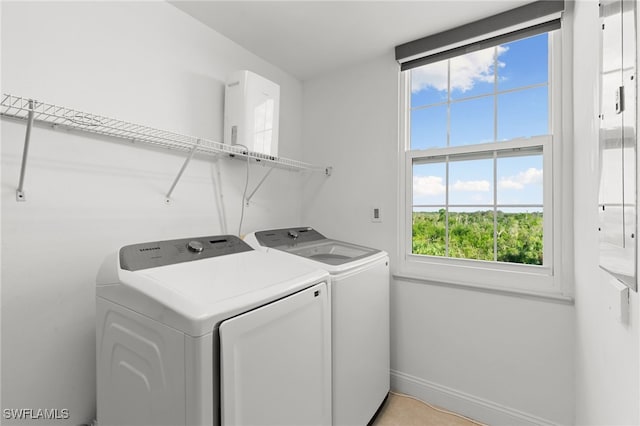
[[288, 236], [162, 253]]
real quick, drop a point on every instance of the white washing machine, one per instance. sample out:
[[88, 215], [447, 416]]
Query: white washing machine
[[360, 315], [208, 331]]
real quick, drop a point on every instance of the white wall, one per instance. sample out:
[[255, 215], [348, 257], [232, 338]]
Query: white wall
[[607, 354], [147, 63], [349, 123], [501, 359]]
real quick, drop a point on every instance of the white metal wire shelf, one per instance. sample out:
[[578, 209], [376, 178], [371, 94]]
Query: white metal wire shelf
[[18, 107]]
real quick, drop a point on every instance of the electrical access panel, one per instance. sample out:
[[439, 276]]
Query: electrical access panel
[[252, 112], [617, 205]]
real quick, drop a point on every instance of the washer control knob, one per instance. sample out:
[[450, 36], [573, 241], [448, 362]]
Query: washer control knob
[[195, 246], [293, 234]]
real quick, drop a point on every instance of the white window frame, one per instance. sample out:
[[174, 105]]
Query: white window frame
[[548, 280]]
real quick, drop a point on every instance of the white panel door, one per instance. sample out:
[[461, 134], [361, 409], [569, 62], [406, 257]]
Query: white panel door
[[275, 362]]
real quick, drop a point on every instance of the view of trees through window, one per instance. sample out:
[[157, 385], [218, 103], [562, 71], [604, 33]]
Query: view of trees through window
[[518, 239], [472, 197]]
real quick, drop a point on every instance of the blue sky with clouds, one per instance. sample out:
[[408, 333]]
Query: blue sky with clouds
[[520, 86]]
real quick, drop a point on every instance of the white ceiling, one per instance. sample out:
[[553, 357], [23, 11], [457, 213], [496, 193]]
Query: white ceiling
[[309, 38]]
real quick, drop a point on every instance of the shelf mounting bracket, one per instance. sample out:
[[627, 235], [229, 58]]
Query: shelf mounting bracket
[[167, 198], [266, 175], [25, 153]]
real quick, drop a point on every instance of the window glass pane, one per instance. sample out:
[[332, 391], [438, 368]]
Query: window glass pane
[[523, 62], [520, 235], [473, 74], [523, 114], [471, 182], [472, 121], [520, 180], [429, 184], [429, 232], [429, 84], [429, 127], [471, 233]]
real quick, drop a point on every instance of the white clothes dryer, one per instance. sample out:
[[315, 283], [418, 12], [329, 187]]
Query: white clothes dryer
[[208, 331], [360, 316]]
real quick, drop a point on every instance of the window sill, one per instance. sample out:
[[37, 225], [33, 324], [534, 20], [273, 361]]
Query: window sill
[[548, 297], [540, 285]]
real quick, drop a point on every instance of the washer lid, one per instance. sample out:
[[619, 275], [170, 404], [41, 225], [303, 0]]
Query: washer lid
[[331, 252], [332, 255], [195, 295]]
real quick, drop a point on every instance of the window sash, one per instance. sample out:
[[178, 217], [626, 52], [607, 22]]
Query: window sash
[[506, 149]]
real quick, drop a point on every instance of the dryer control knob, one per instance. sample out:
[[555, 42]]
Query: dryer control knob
[[195, 246]]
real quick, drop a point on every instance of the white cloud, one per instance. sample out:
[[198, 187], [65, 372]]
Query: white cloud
[[434, 185], [434, 75], [466, 71], [481, 199], [428, 185], [528, 177], [472, 185]]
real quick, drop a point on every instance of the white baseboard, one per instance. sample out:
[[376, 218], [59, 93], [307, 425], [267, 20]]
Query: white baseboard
[[479, 409]]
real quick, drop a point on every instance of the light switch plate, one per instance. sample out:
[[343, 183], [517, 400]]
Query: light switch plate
[[376, 214]]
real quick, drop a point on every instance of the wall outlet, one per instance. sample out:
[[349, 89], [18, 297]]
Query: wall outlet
[[376, 214]]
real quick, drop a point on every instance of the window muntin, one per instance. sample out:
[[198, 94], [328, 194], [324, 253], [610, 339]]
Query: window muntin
[[471, 199]]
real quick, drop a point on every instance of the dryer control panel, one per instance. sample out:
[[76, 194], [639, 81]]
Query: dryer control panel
[[162, 253], [288, 236]]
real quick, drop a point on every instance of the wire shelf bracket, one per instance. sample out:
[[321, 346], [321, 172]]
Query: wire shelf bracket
[[33, 111], [167, 198], [20, 195], [266, 175], [327, 172]]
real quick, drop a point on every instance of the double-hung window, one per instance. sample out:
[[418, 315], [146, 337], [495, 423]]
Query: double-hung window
[[480, 135]]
